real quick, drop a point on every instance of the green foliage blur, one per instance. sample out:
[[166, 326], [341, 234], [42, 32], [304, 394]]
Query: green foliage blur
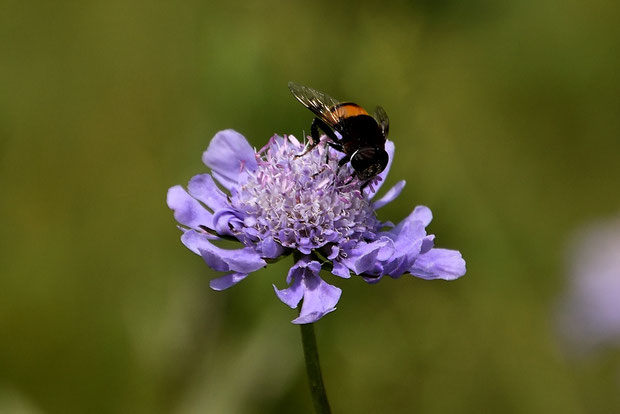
[[506, 121]]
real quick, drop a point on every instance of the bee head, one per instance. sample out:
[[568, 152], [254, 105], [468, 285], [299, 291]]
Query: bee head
[[368, 162]]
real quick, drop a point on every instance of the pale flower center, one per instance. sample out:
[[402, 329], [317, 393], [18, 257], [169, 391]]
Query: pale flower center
[[303, 201]]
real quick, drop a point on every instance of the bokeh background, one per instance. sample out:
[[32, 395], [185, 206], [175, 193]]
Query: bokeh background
[[506, 120]]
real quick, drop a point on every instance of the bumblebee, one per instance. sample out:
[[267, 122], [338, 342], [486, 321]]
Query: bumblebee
[[362, 136]]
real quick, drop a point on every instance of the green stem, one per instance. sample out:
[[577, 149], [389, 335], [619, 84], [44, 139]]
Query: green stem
[[313, 368]]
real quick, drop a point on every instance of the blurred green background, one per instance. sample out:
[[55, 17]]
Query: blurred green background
[[506, 120]]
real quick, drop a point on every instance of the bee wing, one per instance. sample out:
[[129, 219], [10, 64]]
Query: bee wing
[[382, 120], [318, 102]]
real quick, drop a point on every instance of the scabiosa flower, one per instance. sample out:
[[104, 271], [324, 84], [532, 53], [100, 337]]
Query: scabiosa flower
[[279, 204], [588, 313]]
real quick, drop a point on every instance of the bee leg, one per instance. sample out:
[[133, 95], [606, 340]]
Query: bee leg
[[342, 162], [329, 131], [335, 146], [365, 185], [315, 137], [334, 143]]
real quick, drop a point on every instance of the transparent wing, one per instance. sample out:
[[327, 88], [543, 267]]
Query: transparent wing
[[382, 120], [318, 102]]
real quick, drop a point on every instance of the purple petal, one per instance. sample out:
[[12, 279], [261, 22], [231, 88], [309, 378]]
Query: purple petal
[[406, 242], [428, 243], [196, 240], [365, 256], [404, 261], [412, 244], [295, 292], [439, 264], [319, 297], [339, 269], [423, 214], [223, 220], [292, 295], [244, 260], [410, 241], [187, 210], [225, 182], [269, 249], [397, 265], [410, 229], [371, 279], [390, 195], [307, 266], [229, 154], [334, 252], [227, 281], [203, 188], [389, 148], [318, 302]]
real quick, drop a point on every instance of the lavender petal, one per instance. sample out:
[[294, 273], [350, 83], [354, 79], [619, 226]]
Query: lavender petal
[[364, 256], [196, 240], [340, 270], [439, 264], [292, 295], [269, 249], [319, 297], [390, 195], [244, 260], [224, 221], [187, 210], [203, 188], [226, 281], [229, 154]]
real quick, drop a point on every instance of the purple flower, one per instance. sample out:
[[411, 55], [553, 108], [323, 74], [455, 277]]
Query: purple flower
[[589, 310], [278, 204]]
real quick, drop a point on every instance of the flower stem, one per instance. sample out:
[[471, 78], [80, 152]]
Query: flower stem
[[313, 368]]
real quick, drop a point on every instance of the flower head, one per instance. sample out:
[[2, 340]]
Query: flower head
[[280, 204], [588, 313]]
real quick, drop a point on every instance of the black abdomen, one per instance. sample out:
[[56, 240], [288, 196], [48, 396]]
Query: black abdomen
[[358, 132]]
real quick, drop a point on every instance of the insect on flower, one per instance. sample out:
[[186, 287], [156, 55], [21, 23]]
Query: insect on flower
[[284, 201], [362, 136]]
